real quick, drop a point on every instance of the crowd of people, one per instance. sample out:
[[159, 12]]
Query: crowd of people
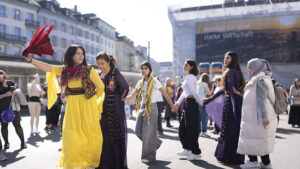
[[93, 114]]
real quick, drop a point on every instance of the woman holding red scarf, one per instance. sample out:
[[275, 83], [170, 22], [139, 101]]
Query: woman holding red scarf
[[82, 137]]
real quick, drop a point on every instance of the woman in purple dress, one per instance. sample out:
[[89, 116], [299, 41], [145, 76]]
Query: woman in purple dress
[[234, 83], [113, 121]]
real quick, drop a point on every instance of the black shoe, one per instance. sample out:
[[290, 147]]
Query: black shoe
[[6, 146], [23, 145], [169, 124]]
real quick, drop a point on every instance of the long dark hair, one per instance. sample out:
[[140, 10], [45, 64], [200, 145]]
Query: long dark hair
[[147, 64], [194, 70], [108, 58], [70, 52], [295, 83], [234, 64], [1, 83]]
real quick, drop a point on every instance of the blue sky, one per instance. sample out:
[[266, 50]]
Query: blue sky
[[140, 20]]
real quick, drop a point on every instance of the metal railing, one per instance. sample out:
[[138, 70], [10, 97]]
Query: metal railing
[[12, 38], [33, 23]]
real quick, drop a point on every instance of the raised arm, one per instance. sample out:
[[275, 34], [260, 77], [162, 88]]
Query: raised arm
[[124, 88], [38, 64]]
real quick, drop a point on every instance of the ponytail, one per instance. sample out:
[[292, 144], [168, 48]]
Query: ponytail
[[108, 58]]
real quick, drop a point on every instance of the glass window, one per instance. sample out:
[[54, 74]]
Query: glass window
[[30, 16], [29, 35], [17, 14], [64, 43], [2, 10], [2, 29], [79, 32], [54, 41], [63, 27], [92, 37], [53, 22], [72, 30], [17, 33], [86, 34], [42, 21]]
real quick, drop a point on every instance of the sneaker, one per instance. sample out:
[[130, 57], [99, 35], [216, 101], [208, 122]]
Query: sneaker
[[184, 152], [36, 131], [192, 156], [204, 134], [6, 146], [2, 157], [266, 166], [250, 164], [145, 161]]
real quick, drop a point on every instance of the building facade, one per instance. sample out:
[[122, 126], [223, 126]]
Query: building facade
[[264, 29]]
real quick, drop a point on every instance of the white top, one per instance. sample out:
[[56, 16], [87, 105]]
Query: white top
[[201, 90], [160, 97], [155, 93], [189, 89], [34, 89]]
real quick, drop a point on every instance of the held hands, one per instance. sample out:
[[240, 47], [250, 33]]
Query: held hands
[[176, 107], [28, 58], [8, 94], [265, 121], [204, 100], [237, 92]]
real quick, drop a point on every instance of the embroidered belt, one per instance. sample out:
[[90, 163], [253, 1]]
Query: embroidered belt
[[75, 91]]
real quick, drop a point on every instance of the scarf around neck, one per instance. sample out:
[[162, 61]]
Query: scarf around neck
[[148, 97], [70, 73]]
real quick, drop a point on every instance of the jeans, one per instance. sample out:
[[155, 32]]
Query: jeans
[[203, 119]]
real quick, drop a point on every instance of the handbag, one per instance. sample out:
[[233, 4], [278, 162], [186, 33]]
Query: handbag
[[8, 115], [295, 101]]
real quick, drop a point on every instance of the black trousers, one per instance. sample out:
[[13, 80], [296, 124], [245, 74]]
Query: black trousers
[[265, 159], [189, 126], [160, 107]]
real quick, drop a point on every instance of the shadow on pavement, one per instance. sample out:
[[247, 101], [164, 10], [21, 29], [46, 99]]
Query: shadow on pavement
[[205, 164], [130, 130], [164, 136], [170, 131], [33, 139], [279, 137], [54, 136], [287, 131], [11, 158], [158, 164]]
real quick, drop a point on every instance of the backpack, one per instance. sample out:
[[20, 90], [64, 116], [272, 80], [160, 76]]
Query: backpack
[[281, 99]]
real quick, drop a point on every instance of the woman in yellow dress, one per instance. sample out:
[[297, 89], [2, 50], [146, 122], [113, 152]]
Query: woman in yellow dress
[[82, 137]]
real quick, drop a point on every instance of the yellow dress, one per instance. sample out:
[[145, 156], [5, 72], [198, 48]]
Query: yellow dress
[[82, 136]]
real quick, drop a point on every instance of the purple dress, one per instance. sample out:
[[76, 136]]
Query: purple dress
[[226, 150], [113, 122]]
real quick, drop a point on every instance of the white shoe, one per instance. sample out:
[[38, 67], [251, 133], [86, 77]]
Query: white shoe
[[36, 131], [145, 161], [184, 152], [192, 156], [2, 157], [204, 134], [250, 164], [266, 166]]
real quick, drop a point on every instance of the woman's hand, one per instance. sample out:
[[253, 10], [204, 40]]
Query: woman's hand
[[266, 122], [237, 92], [28, 58], [8, 94], [176, 107], [204, 100]]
